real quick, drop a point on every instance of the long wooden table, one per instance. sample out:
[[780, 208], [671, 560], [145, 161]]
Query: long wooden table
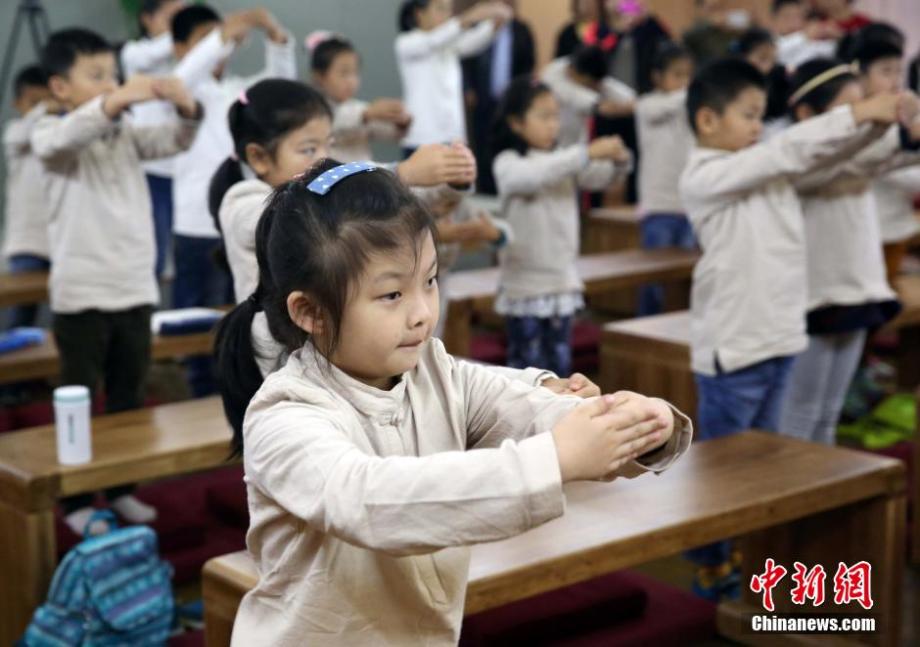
[[43, 362], [24, 288], [611, 229], [127, 447], [470, 290], [786, 499]]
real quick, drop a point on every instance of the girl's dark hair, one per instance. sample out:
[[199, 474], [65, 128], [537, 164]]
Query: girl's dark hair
[[407, 13], [590, 61], [320, 245], [324, 54], [272, 108], [751, 40], [822, 96], [667, 54], [518, 97], [849, 46]]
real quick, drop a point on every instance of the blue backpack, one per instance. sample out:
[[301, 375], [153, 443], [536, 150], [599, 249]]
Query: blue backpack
[[111, 589]]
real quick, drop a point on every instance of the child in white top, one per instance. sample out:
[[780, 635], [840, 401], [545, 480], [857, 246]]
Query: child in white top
[[539, 286], [374, 459], [583, 87], [428, 53], [750, 287], [798, 39], [280, 128], [336, 71], [848, 292], [25, 238], [882, 70], [665, 141], [101, 231], [153, 54], [199, 280]]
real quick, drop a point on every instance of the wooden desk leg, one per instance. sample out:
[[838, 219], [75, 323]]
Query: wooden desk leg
[[909, 357], [27, 562], [458, 331], [871, 530], [220, 606]]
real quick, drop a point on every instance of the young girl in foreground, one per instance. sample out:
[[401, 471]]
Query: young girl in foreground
[[374, 459], [539, 288]]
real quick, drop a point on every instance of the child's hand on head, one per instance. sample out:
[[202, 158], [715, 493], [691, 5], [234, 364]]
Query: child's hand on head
[[598, 437], [173, 90], [237, 25], [575, 384], [609, 148], [263, 19]]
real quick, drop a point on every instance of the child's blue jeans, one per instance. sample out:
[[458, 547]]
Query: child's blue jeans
[[658, 230], [729, 403], [540, 342]]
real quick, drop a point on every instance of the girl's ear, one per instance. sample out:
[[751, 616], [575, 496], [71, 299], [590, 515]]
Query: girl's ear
[[259, 160], [516, 124], [304, 313]]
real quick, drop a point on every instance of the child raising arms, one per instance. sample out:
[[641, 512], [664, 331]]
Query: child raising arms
[[373, 459], [539, 286], [336, 71]]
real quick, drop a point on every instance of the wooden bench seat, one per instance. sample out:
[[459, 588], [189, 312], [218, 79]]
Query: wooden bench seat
[[772, 491]]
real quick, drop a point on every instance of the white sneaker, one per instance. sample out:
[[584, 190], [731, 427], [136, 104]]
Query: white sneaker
[[133, 509], [78, 519]]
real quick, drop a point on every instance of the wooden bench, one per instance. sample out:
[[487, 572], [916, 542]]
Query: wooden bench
[[128, 447], [470, 290], [786, 499], [23, 289], [42, 362]]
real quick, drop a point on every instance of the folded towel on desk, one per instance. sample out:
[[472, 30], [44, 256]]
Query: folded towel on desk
[[19, 338], [185, 321]]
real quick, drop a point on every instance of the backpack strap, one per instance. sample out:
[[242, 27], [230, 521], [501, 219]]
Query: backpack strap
[[103, 514]]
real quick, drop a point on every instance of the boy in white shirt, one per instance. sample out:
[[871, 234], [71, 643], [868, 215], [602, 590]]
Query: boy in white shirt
[[199, 32], [749, 288], [665, 141], [582, 86], [101, 230], [152, 54], [797, 39], [25, 240]]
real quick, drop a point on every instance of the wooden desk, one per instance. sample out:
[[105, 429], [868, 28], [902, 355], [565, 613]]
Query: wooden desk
[[21, 289], [612, 229], [908, 326], [650, 355], [475, 289], [127, 447], [787, 499], [43, 362]]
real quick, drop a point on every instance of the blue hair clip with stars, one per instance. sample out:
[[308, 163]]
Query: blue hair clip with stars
[[323, 183]]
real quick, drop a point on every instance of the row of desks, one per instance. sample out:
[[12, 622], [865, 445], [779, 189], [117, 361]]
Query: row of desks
[[468, 291], [787, 499]]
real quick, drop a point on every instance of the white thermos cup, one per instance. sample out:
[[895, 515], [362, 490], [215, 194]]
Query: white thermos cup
[[71, 419]]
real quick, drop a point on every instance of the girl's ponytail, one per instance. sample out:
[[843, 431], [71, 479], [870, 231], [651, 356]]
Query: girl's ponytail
[[227, 174], [238, 374]]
